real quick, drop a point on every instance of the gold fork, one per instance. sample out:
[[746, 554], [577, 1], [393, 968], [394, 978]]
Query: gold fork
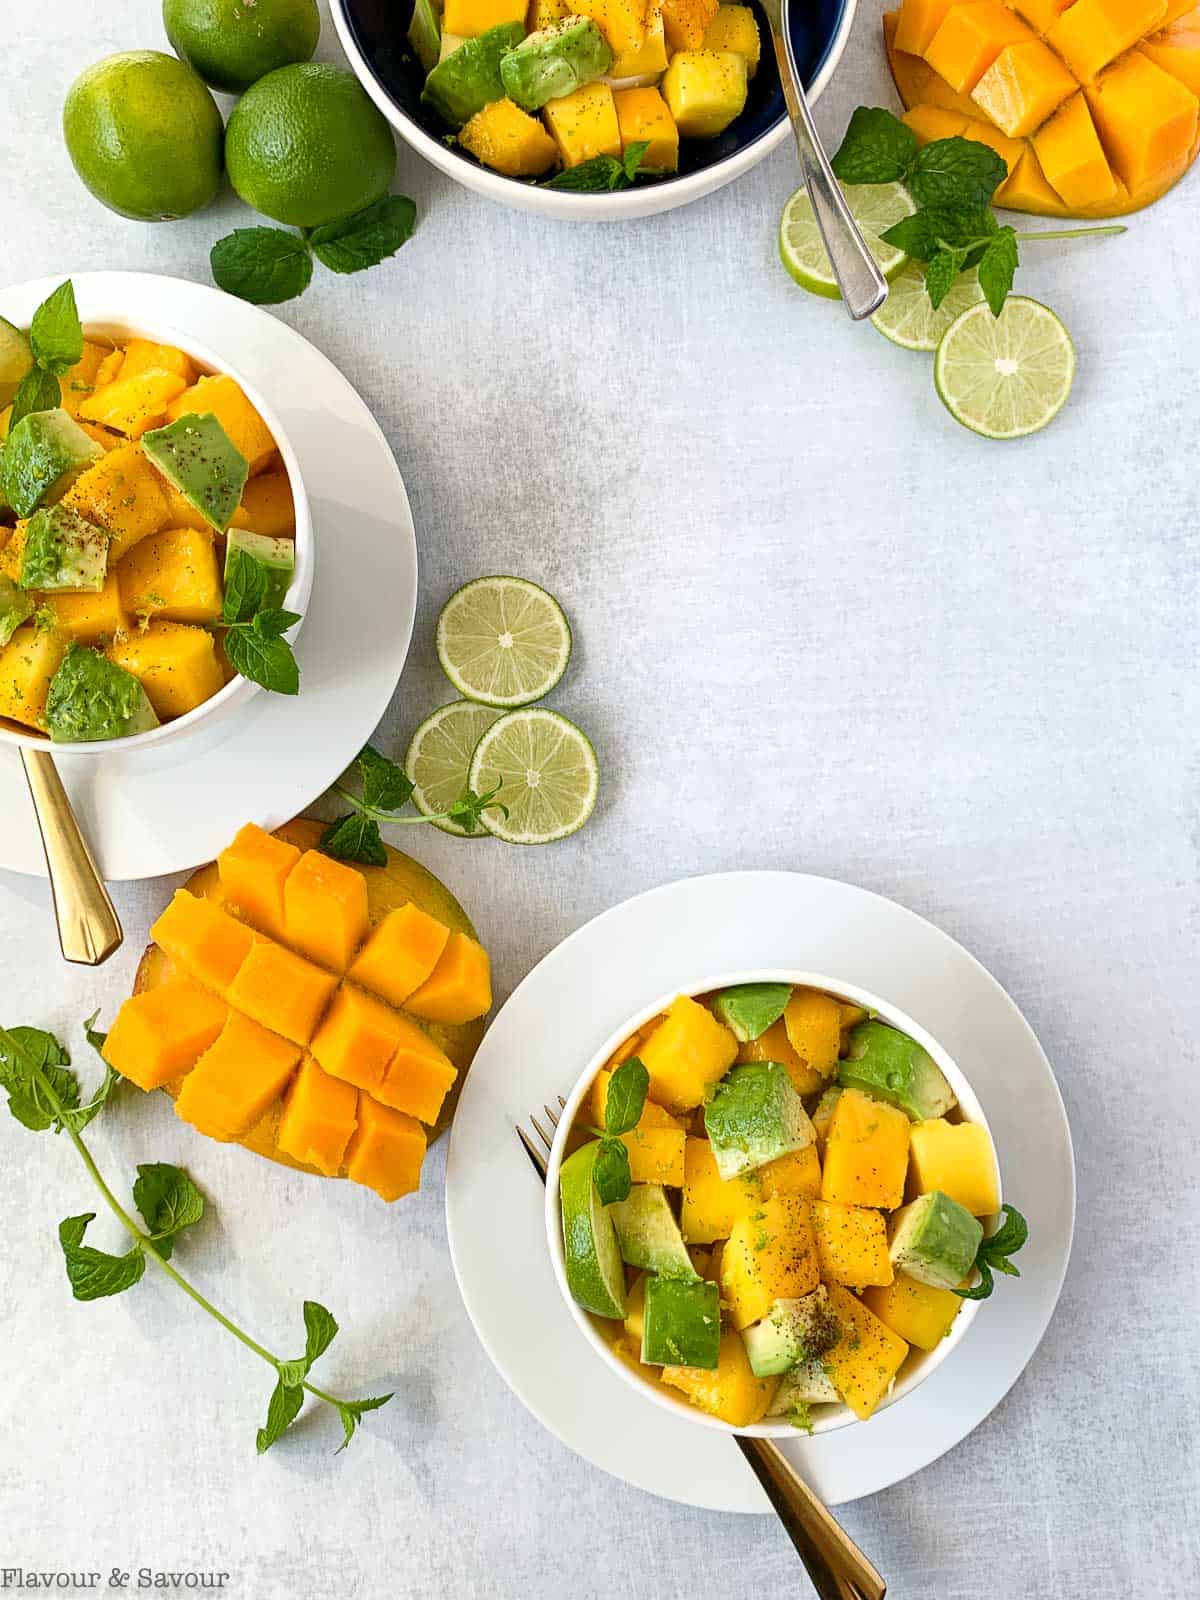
[[837, 1567]]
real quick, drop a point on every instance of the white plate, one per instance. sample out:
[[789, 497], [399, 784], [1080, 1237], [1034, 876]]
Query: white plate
[[172, 807], [557, 1019]]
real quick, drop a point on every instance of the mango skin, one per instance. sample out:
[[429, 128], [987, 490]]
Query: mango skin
[[403, 879]]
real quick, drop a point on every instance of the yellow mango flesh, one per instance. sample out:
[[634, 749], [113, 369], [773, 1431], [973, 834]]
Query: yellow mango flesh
[[705, 90], [91, 618], [798, 1173], [916, 23], [729, 1391], [584, 124], [649, 57], [852, 1244], [642, 114], [133, 405], [734, 28], [1146, 119], [175, 663], [236, 1079], [467, 18], [386, 1150], [774, 1045], [27, 663], [357, 1037], [325, 910], [712, 1205], [685, 22], [205, 941], [509, 140], [253, 870], [267, 506], [770, 1255], [125, 495], [80, 380], [1091, 33], [1072, 157], [319, 1116], [814, 1027], [144, 355], [419, 1075], [1022, 87], [282, 991], [958, 1159], [656, 1146], [919, 1313], [159, 1034], [173, 574], [400, 953], [688, 1051], [970, 38], [867, 1356], [223, 396], [866, 1153], [459, 988], [622, 22]]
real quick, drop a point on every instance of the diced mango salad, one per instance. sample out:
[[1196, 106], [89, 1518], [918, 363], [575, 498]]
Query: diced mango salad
[[798, 1207], [122, 512], [529, 85]]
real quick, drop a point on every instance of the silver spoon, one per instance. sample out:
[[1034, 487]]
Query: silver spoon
[[863, 286]]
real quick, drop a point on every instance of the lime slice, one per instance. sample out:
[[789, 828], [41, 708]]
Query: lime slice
[[1009, 375], [874, 206], [547, 772], [16, 358], [439, 758], [503, 641], [591, 1255], [908, 318]]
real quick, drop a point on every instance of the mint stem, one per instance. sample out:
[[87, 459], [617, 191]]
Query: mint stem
[[1075, 233], [388, 817]]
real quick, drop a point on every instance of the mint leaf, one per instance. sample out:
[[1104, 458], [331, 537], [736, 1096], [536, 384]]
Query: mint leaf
[[262, 265], [56, 333], [169, 1202], [245, 586], [914, 235], [321, 1330], [956, 172], [385, 785], [468, 809], [610, 1172], [354, 838], [262, 657], [942, 273], [994, 1251], [596, 176], [351, 244], [93, 1274], [37, 391], [997, 268], [30, 1059], [351, 1410], [626, 1097], [635, 154], [273, 623], [282, 1411], [877, 148]]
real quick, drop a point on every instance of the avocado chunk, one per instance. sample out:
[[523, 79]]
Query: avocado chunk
[[469, 79], [43, 455], [15, 608], [425, 33], [681, 1324], [754, 1116], [791, 1332], [886, 1063], [197, 456], [648, 1234], [749, 1009], [277, 558], [92, 697], [555, 61], [63, 551], [934, 1240], [16, 358], [591, 1255], [805, 1384]]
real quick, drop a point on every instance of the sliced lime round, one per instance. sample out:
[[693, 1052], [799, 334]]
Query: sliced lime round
[[547, 773], [438, 759], [908, 317], [503, 641], [1005, 376], [591, 1255], [874, 206]]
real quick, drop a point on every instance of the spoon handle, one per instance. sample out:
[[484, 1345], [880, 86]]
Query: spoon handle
[[863, 286], [88, 927]]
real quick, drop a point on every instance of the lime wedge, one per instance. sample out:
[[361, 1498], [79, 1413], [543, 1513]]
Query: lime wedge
[[547, 772], [595, 1271], [16, 358], [908, 318], [438, 759], [1005, 376], [503, 641], [874, 206]]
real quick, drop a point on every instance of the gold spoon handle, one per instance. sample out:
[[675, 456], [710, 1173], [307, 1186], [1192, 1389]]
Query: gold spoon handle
[[837, 1567], [88, 927]]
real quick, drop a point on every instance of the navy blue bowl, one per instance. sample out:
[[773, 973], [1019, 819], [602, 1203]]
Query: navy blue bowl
[[375, 32]]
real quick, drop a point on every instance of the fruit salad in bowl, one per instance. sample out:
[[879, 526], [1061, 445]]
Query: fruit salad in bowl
[[774, 1203], [155, 538]]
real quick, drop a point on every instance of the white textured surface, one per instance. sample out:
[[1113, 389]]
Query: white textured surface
[[817, 627]]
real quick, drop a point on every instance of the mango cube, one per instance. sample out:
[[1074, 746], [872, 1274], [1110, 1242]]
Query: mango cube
[[223, 397], [1041, 14], [774, 1045], [1021, 88], [656, 1146], [173, 574], [642, 115], [1145, 118], [386, 1150], [647, 59], [734, 28], [282, 991], [866, 1152], [970, 38], [79, 381], [509, 140], [27, 663], [91, 618], [109, 369], [253, 870], [918, 21], [541, 14], [958, 1159], [124, 494], [797, 1173], [144, 355], [267, 506], [357, 1037], [584, 124], [419, 1075], [814, 1027], [1072, 157], [319, 1116], [1091, 33], [929, 123], [622, 22], [770, 1255], [1026, 188], [705, 90], [459, 988], [1009, 150], [163, 1032], [207, 942], [467, 18], [867, 1356], [730, 1390], [711, 1204], [852, 1244], [688, 1051], [918, 1312], [325, 910], [131, 405], [400, 954], [236, 1079], [686, 22]]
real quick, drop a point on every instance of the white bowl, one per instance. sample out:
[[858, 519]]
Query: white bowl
[[103, 317], [826, 1418]]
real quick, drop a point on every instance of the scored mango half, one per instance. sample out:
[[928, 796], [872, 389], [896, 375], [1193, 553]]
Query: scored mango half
[[1094, 105]]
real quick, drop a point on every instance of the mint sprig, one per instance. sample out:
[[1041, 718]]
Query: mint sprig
[[386, 790], [623, 1106], [254, 632], [602, 173], [269, 265], [56, 341], [954, 182], [994, 1252], [44, 1095]]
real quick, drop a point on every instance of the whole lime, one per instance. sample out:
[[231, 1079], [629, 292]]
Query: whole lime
[[234, 43], [144, 135], [306, 145]]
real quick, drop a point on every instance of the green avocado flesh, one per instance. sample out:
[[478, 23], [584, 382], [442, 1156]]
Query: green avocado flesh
[[682, 1323], [807, 1383], [277, 557], [754, 1116], [791, 1332], [886, 1063], [92, 697], [648, 1234], [196, 455], [934, 1240], [469, 79], [592, 1258], [749, 1009], [16, 358], [15, 607], [425, 34], [63, 551], [555, 61], [43, 455]]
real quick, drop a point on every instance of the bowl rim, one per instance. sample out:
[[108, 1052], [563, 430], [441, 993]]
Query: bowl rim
[[840, 1416], [107, 321], [647, 200]]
